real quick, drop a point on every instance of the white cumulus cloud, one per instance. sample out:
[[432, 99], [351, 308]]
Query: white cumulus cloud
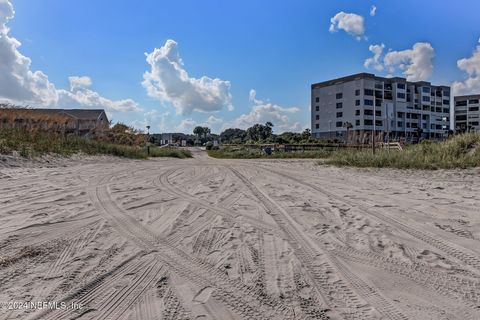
[[415, 64], [20, 85], [373, 11], [77, 82], [351, 23], [80, 95], [471, 66], [375, 61], [262, 112], [168, 81]]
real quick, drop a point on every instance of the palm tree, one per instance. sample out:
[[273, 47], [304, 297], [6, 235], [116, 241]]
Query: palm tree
[[206, 131], [348, 125], [198, 131]]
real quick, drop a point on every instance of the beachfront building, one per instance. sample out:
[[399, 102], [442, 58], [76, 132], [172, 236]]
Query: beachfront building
[[467, 113], [391, 107], [82, 122]]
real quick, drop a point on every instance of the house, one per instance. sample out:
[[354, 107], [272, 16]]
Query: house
[[162, 138], [75, 121]]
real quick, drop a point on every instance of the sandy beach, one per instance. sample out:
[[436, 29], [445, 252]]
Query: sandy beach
[[110, 238]]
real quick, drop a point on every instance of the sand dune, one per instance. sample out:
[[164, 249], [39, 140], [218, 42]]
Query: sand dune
[[236, 239]]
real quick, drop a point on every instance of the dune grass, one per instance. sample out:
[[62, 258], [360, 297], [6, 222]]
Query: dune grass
[[461, 151], [247, 153], [36, 143]]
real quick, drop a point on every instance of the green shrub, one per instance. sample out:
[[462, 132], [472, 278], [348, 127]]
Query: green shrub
[[249, 153], [461, 151], [35, 143]]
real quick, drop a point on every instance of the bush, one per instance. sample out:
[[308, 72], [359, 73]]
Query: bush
[[461, 151], [248, 153], [35, 143]]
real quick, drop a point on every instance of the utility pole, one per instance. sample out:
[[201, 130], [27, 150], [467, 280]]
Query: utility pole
[[148, 140], [330, 129]]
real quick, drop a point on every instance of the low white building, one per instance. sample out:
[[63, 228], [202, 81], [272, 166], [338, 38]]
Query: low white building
[[166, 138]]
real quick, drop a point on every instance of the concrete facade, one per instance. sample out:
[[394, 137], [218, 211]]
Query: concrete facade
[[390, 106], [467, 113]]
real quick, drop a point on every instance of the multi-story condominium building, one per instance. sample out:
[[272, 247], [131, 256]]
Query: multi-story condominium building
[[392, 107], [467, 113]]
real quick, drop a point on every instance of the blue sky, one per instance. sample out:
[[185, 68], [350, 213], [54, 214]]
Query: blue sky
[[258, 58]]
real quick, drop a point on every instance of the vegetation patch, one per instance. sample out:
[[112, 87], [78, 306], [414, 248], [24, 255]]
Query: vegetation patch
[[461, 151], [36, 143], [249, 153]]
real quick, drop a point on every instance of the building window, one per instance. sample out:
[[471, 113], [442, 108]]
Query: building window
[[357, 102], [339, 114], [339, 105], [368, 112], [357, 92], [368, 122], [473, 109], [378, 113], [317, 108], [339, 124], [426, 89], [414, 125], [446, 93], [378, 123], [400, 95], [357, 112], [400, 124], [401, 85], [317, 117], [317, 99], [317, 126], [473, 101], [368, 102], [357, 122], [438, 109], [446, 110], [461, 103], [339, 95], [446, 101], [425, 98], [368, 92]]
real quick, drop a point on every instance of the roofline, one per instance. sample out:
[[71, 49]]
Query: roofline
[[365, 75], [468, 96]]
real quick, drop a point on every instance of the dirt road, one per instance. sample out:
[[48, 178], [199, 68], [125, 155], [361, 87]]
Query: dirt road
[[237, 239]]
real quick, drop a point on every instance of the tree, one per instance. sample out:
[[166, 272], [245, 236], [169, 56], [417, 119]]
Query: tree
[[198, 131], [206, 131], [348, 125], [233, 135], [259, 132], [306, 135]]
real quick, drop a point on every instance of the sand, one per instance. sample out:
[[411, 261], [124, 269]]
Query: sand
[[109, 238]]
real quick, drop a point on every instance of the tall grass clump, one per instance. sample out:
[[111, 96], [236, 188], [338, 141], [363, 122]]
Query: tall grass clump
[[461, 151], [247, 153], [34, 143]]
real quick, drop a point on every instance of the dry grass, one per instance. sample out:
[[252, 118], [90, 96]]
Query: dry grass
[[461, 151]]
